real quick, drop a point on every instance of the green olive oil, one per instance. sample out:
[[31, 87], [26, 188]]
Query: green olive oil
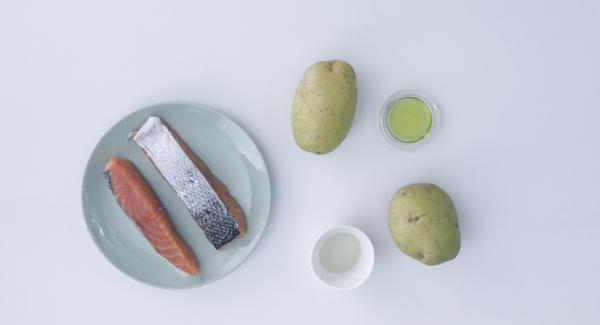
[[409, 119]]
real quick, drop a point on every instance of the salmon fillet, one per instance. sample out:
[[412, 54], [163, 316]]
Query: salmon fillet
[[139, 203], [208, 200]]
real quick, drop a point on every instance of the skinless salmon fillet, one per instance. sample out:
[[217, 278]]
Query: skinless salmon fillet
[[139, 203]]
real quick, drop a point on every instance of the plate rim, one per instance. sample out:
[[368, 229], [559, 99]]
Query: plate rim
[[195, 106]]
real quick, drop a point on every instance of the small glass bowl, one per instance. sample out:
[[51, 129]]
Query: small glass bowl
[[436, 119]]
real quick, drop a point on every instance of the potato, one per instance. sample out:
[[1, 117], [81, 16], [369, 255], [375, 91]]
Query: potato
[[324, 106], [423, 223]]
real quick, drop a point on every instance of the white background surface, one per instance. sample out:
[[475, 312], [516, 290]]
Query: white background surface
[[519, 153]]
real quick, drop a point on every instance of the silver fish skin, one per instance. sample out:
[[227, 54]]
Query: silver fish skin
[[203, 203]]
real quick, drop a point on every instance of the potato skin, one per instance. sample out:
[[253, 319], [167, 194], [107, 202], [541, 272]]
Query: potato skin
[[424, 224], [324, 106]]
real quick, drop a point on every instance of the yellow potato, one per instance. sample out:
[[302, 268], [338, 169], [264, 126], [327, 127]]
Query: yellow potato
[[424, 224], [324, 106]]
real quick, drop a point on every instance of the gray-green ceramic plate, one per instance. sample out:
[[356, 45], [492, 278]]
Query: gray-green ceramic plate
[[230, 154]]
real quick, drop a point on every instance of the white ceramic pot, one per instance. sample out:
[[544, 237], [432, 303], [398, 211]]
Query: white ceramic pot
[[343, 257]]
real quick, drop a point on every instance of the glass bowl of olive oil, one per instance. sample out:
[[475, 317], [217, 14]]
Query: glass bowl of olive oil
[[409, 119]]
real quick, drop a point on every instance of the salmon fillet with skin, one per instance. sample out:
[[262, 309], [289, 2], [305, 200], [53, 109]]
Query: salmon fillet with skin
[[208, 200], [139, 203]]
